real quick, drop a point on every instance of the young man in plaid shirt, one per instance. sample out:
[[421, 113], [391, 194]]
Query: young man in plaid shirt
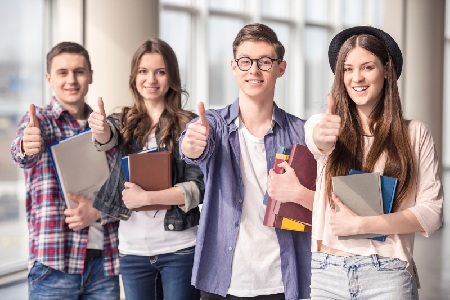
[[73, 252]]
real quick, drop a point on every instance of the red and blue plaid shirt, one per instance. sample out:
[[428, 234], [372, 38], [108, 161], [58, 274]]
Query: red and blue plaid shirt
[[51, 241]]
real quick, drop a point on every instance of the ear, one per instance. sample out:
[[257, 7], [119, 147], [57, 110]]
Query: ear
[[91, 79], [47, 76], [234, 67], [282, 69]]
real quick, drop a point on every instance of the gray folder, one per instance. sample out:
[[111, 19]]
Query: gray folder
[[362, 194]]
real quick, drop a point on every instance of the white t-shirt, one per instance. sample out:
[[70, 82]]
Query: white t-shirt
[[256, 267], [144, 235], [96, 231]]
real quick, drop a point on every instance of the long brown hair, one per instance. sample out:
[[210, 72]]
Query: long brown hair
[[135, 120], [386, 124]]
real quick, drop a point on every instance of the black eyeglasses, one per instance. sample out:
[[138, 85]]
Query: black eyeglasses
[[264, 63]]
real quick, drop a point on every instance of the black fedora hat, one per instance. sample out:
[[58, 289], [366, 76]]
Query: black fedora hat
[[390, 43]]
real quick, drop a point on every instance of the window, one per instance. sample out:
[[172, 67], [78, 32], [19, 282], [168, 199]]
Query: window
[[304, 27], [21, 83]]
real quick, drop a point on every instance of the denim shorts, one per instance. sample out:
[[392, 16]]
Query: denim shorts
[[361, 277]]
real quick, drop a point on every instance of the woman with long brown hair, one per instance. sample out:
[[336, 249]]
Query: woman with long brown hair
[[156, 247], [364, 129]]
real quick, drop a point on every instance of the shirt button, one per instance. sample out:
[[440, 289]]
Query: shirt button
[[171, 227], [240, 200], [230, 248], [236, 224]]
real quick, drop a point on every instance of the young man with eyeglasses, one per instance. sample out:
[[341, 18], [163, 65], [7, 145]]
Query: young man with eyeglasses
[[73, 252], [236, 256]]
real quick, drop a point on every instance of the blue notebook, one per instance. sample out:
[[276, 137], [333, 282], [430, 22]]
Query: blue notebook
[[388, 185], [124, 161]]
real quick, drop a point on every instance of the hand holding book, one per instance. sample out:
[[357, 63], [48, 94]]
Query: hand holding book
[[345, 222], [134, 196]]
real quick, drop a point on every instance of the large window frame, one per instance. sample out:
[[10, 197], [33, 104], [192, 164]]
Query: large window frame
[[200, 11]]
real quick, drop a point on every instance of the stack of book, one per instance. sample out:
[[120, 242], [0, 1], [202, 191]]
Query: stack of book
[[366, 194], [290, 215]]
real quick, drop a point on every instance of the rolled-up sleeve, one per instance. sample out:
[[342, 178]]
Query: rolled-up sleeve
[[113, 141], [429, 190]]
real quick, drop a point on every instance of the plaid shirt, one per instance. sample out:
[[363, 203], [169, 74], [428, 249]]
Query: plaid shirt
[[51, 241]]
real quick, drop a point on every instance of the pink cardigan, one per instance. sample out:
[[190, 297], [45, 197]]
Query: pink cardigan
[[425, 201]]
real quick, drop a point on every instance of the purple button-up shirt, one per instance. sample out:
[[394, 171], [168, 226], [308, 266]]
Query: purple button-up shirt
[[222, 206]]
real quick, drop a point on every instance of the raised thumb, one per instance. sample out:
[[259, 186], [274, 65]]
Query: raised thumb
[[201, 113], [330, 105], [33, 119], [101, 106]]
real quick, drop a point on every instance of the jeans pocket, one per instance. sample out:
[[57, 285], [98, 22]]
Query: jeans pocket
[[185, 251], [391, 264], [122, 255], [38, 272], [317, 264]]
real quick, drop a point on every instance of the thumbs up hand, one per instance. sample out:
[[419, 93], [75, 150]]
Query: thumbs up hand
[[326, 132], [194, 142], [97, 123], [32, 139]]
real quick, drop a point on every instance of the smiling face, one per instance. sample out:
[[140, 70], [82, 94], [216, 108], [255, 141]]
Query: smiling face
[[364, 78], [152, 80], [70, 78], [254, 83]]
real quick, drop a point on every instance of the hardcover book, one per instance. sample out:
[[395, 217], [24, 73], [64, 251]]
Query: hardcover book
[[362, 194], [388, 185], [289, 215], [152, 171]]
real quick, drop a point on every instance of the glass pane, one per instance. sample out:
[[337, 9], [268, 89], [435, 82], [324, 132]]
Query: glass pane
[[179, 2], [275, 8], [229, 5], [446, 121], [21, 83], [178, 38], [281, 96], [316, 11], [318, 75], [223, 87], [353, 13]]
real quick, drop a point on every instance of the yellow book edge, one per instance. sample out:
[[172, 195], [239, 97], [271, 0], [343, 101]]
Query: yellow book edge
[[289, 224]]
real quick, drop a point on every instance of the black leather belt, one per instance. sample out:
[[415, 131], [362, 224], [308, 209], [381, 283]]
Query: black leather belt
[[92, 253]]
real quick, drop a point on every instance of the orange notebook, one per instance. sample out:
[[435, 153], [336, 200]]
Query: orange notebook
[[152, 172]]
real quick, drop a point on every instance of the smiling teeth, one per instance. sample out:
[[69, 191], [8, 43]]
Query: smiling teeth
[[360, 89], [254, 81]]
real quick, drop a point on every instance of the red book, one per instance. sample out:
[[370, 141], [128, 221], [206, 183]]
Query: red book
[[305, 167]]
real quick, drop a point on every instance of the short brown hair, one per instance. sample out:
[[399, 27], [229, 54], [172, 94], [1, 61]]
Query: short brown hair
[[258, 32], [67, 47]]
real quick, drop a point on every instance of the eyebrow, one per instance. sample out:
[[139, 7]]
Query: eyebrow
[[247, 55], [76, 69], [143, 68], [367, 62]]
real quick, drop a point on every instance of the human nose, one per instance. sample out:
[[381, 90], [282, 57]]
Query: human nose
[[71, 77], [254, 67], [151, 78], [357, 76]]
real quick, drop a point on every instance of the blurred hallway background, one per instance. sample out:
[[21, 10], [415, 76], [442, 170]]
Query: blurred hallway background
[[201, 33]]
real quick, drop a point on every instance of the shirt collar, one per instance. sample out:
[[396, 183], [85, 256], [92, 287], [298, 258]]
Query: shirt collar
[[58, 108], [277, 116]]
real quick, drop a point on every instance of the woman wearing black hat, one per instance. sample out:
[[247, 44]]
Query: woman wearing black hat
[[364, 129]]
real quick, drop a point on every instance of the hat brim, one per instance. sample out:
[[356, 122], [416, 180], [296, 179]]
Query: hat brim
[[388, 41]]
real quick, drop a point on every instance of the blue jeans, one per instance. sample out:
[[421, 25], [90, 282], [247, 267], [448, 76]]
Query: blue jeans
[[45, 283], [361, 277], [165, 276]]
